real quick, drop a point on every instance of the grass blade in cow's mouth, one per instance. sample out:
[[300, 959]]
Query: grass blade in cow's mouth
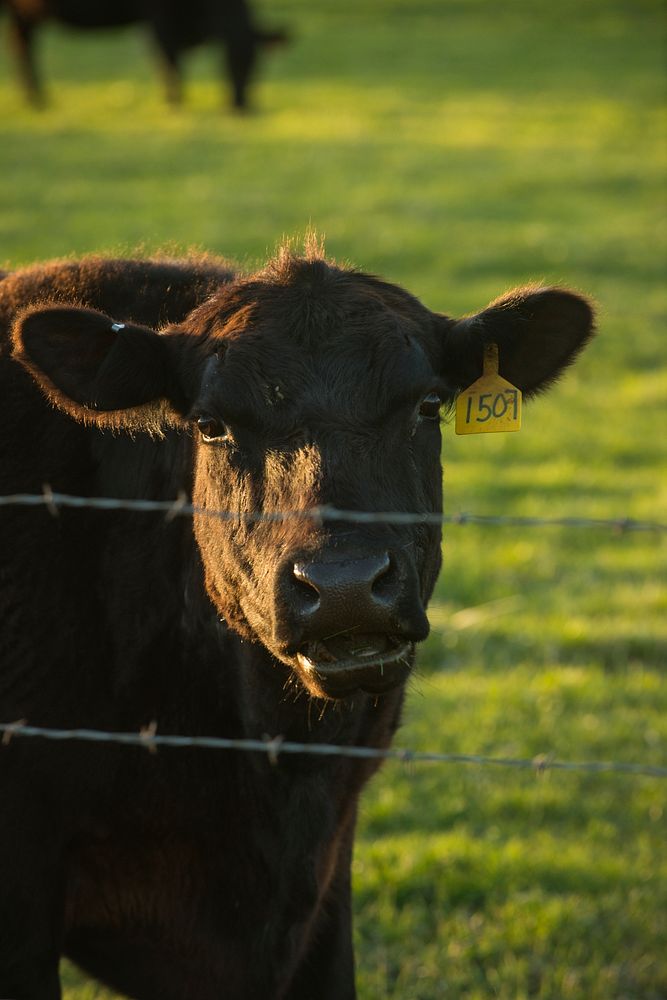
[[339, 665]]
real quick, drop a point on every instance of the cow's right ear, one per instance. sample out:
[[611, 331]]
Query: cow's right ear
[[99, 371]]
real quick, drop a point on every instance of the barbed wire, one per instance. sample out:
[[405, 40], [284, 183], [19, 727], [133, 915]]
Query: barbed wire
[[273, 747], [181, 507]]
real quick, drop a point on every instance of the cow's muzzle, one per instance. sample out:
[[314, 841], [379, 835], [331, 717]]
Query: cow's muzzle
[[339, 666], [354, 620]]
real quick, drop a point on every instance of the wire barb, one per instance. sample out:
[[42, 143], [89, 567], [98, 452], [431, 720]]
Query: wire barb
[[147, 736], [273, 745], [49, 500], [179, 503], [9, 730]]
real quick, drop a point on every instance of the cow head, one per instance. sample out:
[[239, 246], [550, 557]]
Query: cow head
[[306, 386]]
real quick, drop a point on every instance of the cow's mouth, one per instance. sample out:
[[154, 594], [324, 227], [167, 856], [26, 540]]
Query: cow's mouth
[[340, 665]]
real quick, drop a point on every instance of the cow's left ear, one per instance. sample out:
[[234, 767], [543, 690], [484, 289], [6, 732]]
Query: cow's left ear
[[95, 369], [539, 332]]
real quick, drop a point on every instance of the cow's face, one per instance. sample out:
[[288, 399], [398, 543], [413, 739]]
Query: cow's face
[[308, 387], [319, 391]]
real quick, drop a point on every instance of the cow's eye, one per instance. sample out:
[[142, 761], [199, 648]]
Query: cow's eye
[[212, 429], [429, 408]]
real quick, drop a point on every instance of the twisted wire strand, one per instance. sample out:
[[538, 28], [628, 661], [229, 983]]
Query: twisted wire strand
[[180, 507], [273, 747]]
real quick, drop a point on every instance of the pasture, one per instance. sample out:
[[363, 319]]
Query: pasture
[[457, 148]]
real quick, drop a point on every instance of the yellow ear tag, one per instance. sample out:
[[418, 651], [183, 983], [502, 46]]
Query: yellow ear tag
[[491, 404]]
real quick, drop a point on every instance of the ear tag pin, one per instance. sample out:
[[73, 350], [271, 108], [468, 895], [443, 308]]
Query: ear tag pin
[[490, 405]]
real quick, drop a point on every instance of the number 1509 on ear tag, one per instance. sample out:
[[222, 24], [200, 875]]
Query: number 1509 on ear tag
[[491, 404]]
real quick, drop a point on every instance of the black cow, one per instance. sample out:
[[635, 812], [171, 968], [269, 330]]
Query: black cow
[[176, 25], [190, 873]]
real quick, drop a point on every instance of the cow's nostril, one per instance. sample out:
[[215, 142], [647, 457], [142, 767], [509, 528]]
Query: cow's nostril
[[304, 590], [381, 582]]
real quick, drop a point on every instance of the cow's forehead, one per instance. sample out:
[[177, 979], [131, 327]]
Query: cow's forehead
[[326, 340], [312, 332], [311, 303], [333, 363]]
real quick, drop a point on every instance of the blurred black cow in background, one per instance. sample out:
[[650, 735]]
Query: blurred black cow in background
[[175, 24]]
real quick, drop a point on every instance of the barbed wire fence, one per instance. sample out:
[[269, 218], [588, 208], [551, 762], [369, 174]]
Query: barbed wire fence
[[275, 746], [180, 507]]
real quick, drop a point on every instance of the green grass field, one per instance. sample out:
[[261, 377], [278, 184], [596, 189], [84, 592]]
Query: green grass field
[[457, 148]]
